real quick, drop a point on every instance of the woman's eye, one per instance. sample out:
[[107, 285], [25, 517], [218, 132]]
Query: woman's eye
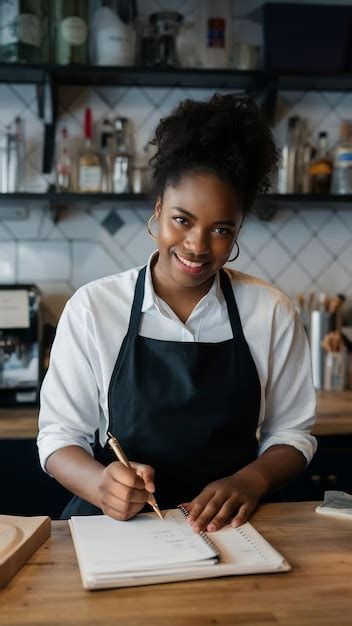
[[180, 220], [223, 231]]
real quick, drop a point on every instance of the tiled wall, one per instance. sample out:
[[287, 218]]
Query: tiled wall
[[298, 251]]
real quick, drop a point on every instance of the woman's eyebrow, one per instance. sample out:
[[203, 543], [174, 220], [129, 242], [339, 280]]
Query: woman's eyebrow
[[189, 214]]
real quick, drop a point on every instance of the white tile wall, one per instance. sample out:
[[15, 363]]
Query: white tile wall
[[298, 250]]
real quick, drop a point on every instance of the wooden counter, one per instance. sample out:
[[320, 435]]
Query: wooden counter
[[334, 417], [334, 413], [18, 423], [48, 591]]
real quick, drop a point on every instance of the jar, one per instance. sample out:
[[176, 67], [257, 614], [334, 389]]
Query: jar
[[166, 25]]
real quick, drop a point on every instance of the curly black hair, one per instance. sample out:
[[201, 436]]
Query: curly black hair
[[226, 135]]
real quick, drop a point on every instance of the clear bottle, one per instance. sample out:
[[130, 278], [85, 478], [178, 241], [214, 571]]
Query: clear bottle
[[21, 31], [342, 172], [120, 160], [321, 168], [90, 169], [107, 147], [71, 31], [288, 170], [63, 163]]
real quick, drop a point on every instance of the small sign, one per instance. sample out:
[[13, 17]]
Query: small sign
[[14, 308]]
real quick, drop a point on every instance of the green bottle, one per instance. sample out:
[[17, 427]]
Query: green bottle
[[21, 34], [71, 31]]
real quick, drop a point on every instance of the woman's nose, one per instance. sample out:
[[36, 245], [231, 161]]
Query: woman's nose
[[197, 243]]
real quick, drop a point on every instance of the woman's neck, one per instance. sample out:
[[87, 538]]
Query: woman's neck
[[180, 299]]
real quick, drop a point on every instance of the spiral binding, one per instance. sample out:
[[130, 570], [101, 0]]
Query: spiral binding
[[204, 536], [253, 545], [239, 530]]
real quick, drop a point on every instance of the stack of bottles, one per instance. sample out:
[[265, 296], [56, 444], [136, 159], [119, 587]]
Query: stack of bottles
[[312, 168], [106, 165], [111, 32]]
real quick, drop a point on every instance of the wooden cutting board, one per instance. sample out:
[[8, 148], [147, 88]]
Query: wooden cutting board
[[19, 538]]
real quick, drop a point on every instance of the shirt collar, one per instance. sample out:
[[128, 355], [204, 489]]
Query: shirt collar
[[150, 299]]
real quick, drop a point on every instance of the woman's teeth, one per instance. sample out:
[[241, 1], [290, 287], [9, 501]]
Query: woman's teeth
[[189, 263]]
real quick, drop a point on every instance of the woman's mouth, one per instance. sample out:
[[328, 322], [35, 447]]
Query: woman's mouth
[[191, 267]]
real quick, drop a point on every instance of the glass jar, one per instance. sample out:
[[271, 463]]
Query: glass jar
[[166, 25]]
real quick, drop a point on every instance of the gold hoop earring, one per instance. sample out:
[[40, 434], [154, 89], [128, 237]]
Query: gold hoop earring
[[235, 257], [148, 226]]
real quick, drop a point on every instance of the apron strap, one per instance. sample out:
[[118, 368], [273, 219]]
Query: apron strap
[[135, 316], [232, 309]]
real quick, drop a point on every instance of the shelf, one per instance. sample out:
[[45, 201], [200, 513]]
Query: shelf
[[54, 198], [265, 207], [172, 77]]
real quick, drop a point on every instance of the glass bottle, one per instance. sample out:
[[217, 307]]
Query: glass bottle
[[107, 147], [120, 160], [63, 163], [71, 31], [288, 171], [342, 172], [321, 168], [90, 171], [21, 36]]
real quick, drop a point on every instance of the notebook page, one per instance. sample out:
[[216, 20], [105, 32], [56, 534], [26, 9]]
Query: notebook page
[[244, 546], [145, 543]]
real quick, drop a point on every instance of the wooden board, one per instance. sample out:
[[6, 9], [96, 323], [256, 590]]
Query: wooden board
[[19, 538]]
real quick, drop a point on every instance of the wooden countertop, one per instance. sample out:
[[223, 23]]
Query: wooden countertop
[[334, 417], [48, 590]]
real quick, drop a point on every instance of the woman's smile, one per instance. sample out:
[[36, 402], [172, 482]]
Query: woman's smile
[[188, 266]]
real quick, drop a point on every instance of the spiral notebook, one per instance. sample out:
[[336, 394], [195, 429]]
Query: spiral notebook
[[147, 550]]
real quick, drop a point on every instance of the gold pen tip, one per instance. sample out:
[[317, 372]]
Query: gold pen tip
[[157, 511]]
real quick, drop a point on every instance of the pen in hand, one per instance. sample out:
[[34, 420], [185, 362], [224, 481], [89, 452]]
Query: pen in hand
[[115, 446]]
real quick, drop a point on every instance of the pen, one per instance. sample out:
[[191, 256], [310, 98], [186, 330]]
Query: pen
[[115, 446]]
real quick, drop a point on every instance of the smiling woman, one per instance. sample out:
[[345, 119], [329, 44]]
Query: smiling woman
[[182, 360]]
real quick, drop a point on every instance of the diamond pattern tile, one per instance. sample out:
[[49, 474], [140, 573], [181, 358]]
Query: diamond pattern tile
[[112, 223], [334, 234], [314, 258], [297, 251]]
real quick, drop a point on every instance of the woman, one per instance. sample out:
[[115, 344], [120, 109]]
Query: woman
[[182, 360]]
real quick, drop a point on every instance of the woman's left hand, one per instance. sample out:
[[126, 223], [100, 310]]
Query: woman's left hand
[[236, 495]]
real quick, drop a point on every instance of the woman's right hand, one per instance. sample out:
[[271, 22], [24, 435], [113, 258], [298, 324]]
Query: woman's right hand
[[123, 491]]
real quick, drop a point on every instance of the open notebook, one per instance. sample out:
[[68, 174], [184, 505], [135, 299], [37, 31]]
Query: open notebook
[[147, 550]]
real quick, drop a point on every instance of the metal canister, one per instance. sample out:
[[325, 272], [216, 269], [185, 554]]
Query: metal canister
[[319, 327]]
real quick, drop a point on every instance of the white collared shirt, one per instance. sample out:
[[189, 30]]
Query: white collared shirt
[[74, 394]]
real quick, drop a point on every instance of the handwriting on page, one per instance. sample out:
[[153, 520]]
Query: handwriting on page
[[141, 543]]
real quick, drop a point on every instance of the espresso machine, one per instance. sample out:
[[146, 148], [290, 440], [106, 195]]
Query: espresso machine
[[20, 341]]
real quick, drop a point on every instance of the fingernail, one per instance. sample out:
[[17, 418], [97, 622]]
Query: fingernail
[[211, 527], [196, 529], [151, 487]]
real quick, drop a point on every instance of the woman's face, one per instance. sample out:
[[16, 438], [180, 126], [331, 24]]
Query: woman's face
[[198, 222]]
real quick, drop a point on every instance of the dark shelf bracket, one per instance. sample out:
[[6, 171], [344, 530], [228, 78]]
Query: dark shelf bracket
[[268, 100], [47, 102]]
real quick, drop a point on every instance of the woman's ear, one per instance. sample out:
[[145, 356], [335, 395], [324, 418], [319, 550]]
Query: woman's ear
[[157, 208]]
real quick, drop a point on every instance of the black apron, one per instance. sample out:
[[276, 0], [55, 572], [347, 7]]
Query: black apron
[[190, 410]]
